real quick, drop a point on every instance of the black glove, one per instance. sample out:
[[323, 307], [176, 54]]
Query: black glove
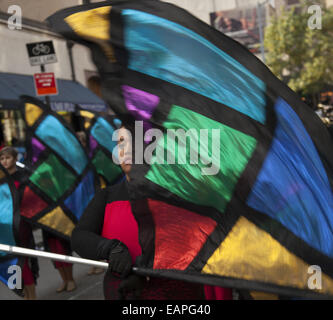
[[131, 287], [120, 261]]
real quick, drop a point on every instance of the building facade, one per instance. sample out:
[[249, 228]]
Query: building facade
[[73, 60]]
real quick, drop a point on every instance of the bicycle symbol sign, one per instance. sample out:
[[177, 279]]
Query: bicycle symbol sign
[[41, 53], [40, 48]]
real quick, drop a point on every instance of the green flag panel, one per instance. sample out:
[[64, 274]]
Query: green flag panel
[[105, 167], [207, 158], [46, 178]]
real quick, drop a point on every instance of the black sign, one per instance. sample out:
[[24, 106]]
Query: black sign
[[41, 53], [40, 48]]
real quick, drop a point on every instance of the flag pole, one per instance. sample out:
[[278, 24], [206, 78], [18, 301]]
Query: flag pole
[[54, 256]]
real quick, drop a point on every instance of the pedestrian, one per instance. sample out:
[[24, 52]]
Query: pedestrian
[[108, 231], [8, 156], [55, 244]]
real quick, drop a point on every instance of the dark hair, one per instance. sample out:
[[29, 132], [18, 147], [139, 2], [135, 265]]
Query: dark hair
[[9, 150]]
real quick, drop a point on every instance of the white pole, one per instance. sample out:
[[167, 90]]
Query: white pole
[[54, 256], [20, 164]]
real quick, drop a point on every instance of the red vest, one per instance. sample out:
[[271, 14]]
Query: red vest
[[119, 223]]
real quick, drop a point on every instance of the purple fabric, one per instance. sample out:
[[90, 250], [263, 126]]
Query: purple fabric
[[141, 105], [37, 149], [92, 145]]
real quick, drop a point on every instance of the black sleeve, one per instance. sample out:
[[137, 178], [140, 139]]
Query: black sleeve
[[86, 239], [21, 175]]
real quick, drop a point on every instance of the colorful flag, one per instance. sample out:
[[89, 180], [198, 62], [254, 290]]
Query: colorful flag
[[62, 181], [9, 228], [256, 209]]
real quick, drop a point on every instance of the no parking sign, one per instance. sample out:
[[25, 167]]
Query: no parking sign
[[45, 84]]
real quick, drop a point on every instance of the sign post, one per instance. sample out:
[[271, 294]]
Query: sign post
[[41, 53]]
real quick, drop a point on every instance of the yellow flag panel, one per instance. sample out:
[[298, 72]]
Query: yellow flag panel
[[94, 25], [32, 113], [250, 253], [56, 219]]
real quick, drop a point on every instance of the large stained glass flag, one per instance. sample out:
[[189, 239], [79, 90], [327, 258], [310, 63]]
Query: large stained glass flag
[[242, 197], [62, 182], [9, 228]]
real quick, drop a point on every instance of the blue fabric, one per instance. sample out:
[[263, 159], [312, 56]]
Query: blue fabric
[[4, 275], [6, 217], [80, 198], [102, 131], [70, 93], [293, 187], [64, 143], [160, 48]]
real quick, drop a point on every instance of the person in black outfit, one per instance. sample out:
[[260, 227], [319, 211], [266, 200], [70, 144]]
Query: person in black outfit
[[108, 231], [8, 156]]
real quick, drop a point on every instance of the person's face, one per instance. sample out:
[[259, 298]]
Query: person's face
[[8, 161], [125, 150]]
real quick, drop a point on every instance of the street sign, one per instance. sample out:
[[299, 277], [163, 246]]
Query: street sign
[[41, 53], [45, 84]]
